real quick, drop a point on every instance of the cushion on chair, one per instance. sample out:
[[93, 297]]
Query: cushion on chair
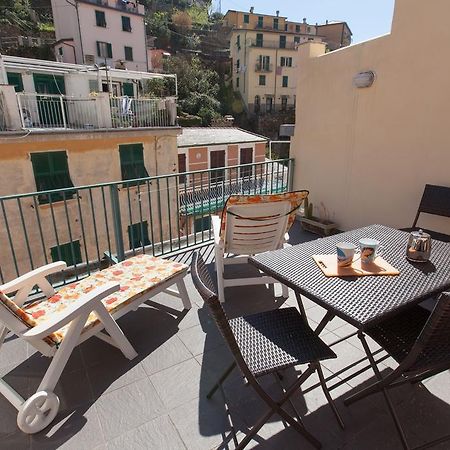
[[275, 340], [137, 276], [295, 198]]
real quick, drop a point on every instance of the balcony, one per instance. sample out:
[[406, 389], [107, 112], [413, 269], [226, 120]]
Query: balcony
[[263, 67], [272, 44], [126, 6], [62, 112]]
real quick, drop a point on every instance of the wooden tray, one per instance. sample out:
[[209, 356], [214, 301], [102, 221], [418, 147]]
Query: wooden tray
[[328, 265]]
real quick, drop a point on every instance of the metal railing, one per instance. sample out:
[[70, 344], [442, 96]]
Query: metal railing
[[143, 112], [272, 44], [261, 67], [90, 226], [57, 111]]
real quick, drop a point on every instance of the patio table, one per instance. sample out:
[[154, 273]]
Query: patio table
[[360, 301]]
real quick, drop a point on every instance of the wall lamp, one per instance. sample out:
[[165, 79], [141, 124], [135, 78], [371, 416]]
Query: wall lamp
[[364, 79]]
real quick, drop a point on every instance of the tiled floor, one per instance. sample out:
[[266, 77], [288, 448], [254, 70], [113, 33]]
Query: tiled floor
[[157, 401]]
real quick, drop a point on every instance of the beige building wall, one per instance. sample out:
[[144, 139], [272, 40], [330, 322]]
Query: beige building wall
[[366, 154], [92, 158]]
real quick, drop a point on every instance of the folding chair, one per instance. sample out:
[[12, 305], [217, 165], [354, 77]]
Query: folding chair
[[267, 343], [62, 320], [436, 201], [420, 343], [252, 224]]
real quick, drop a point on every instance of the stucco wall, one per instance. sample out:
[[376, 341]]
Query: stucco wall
[[366, 154]]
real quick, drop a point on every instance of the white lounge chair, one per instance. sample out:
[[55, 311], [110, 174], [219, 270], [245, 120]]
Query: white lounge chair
[[252, 224], [62, 320]]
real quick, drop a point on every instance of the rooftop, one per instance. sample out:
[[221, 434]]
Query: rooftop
[[194, 137]]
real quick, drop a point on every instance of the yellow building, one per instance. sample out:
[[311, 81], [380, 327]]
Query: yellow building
[[263, 50]]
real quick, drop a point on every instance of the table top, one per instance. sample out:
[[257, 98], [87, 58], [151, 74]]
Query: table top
[[361, 301]]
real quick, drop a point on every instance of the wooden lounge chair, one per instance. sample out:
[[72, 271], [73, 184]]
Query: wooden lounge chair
[[252, 224], [420, 344], [78, 311]]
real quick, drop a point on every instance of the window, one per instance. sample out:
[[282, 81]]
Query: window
[[126, 24], [128, 53], [282, 41], [132, 162], [264, 62], [259, 39], [246, 18], [286, 61], [285, 81], [138, 235], [296, 39], [15, 79], [297, 28], [262, 80], [246, 157], [275, 24], [104, 49], [269, 104], [257, 106], [285, 27], [202, 224], [69, 252], [238, 65], [260, 22], [217, 158], [238, 41], [237, 82], [308, 29], [51, 171], [284, 100], [60, 51], [100, 19], [182, 167]]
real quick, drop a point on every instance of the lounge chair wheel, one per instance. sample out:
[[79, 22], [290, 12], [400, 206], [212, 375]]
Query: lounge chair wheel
[[37, 412]]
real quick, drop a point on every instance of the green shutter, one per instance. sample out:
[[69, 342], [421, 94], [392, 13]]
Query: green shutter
[[285, 81], [51, 171], [100, 18], [138, 235], [15, 79], [99, 53], [128, 53], [202, 224], [126, 24], [109, 50], [132, 162], [128, 89], [69, 252]]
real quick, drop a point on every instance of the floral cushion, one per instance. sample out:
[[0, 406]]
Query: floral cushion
[[295, 198], [137, 276]]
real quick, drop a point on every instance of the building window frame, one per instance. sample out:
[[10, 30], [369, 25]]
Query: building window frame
[[69, 252], [285, 81], [259, 40], [276, 23], [138, 235], [104, 49], [260, 23], [262, 80], [132, 164], [297, 28], [282, 41], [202, 223], [128, 51], [246, 18], [286, 61], [100, 18], [126, 24]]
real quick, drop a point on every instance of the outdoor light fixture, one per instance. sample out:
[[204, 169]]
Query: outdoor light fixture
[[364, 79]]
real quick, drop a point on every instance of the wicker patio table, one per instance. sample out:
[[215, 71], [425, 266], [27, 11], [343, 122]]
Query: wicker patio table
[[361, 301]]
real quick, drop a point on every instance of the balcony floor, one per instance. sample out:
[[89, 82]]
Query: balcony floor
[[157, 401]]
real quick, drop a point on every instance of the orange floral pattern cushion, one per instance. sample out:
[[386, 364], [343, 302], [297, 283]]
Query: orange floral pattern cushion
[[295, 198], [137, 276]]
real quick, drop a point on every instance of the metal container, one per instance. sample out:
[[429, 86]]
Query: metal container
[[419, 246]]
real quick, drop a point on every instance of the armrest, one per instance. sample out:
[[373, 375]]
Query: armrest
[[33, 277], [86, 304], [216, 222]]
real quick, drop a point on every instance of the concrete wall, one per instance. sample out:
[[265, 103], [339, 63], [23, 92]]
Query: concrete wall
[[366, 154], [92, 158]]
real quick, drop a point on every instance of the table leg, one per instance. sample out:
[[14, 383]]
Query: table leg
[[301, 307], [328, 317]]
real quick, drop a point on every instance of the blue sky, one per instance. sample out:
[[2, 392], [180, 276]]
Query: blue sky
[[366, 18]]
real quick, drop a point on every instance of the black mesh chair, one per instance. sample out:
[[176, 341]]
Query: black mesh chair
[[420, 343], [436, 201], [266, 343]]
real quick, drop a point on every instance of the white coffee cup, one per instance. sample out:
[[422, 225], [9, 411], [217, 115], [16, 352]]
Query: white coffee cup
[[345, 253]]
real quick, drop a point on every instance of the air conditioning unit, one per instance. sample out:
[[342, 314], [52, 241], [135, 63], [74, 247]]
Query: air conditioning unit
[[89, 59]]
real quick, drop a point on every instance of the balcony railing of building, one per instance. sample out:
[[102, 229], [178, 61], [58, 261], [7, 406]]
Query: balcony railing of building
[[126, 6], [90, 226], [272, 44], [46, 111], [259, 67]]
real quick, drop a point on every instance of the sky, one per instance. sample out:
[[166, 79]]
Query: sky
[[366, 18]]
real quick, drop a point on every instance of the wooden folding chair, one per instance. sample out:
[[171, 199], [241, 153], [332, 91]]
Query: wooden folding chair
[[252, 224], [267, 343], [420, 343]]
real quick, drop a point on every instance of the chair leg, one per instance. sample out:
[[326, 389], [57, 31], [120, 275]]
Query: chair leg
[[223, 377], [220, 273], [328, 396], [184, 294]]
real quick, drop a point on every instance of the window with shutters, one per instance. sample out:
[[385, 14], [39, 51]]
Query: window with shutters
[[282, 41], [217, 158], [275, 23], [262, 80], [15, 79], [132, 162], [202, 223], [126, 24], [51, 171], [138, 235], [285, 81], [246, 157], [69, 252], [246, 18], [297, 28], [260, 21], [104, 49], [182, 167], [128, 53], [259, 39], [100, 18]]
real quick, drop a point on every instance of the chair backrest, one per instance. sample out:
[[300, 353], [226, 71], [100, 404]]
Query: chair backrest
[[432, 348], [435, 200], [254, 224], [207, 291]]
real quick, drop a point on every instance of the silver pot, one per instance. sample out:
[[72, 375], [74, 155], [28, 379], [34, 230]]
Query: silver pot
[[419, 246]]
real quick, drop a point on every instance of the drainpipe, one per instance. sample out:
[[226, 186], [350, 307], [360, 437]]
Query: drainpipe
[[3, 76]]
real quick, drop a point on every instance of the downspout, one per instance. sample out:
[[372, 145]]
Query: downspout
[[275, 87], [3, 75], [79, 32]]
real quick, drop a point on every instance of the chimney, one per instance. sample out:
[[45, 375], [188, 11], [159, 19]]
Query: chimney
[[326, 22], [277, 13], [304, 19], [252, 8]]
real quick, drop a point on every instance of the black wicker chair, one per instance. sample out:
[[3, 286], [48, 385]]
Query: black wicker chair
[[436, 201], [267, 343], [420, 343]]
